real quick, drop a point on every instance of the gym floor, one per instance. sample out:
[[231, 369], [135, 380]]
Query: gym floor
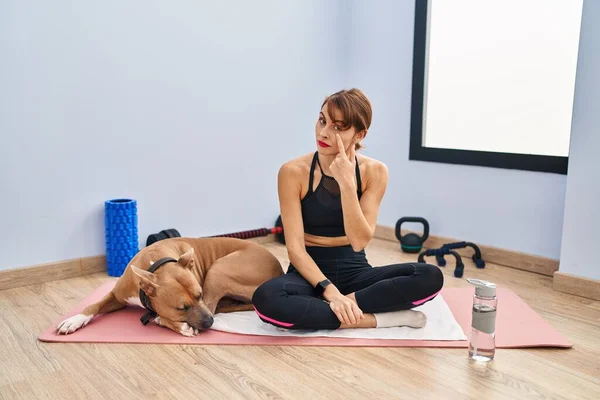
[[33, 370]]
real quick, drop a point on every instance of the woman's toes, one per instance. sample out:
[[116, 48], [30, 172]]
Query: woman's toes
[[420, 319]]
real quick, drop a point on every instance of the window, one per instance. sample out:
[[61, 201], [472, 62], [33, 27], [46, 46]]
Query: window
[[493, 82]]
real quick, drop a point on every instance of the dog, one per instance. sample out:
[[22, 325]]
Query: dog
[[198, 278]]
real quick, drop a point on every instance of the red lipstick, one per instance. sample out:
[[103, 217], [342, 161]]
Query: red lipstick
[[323, 144]]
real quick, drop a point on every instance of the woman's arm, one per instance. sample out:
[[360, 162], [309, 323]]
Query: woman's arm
[[360, 218]]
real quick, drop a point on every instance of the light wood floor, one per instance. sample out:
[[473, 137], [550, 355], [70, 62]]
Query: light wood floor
[[35, 370]]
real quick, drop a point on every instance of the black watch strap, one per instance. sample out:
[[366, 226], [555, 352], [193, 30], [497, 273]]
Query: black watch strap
[[322, 285]]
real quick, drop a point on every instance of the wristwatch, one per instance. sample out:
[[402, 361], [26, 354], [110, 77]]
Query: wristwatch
[[322, 285]]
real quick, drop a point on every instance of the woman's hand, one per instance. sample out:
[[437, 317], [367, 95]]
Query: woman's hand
[[344, 308], [343, 165]]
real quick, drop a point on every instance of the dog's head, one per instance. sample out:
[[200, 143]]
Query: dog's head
[[175, 292]]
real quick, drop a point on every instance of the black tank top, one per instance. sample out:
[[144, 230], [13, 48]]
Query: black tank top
[[322, 208]]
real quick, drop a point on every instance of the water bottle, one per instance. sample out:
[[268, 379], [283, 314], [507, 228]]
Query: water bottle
[[482, 341]]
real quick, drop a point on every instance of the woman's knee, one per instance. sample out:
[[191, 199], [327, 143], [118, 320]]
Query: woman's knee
[[433, 278], [437, 277], [268, 304], [265, 295]]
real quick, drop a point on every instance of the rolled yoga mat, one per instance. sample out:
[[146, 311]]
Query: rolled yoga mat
[[121, 234], [517, 326]]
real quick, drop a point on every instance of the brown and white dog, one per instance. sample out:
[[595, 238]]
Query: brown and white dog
[[206, 276]]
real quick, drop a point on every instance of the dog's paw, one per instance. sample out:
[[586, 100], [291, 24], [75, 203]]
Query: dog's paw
[[70, 325], [187, 330]]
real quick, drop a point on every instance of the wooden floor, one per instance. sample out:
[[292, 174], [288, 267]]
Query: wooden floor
[[34, 370]]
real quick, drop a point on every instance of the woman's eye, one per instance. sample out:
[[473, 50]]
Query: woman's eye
[[337, 128], [322, 121], [184, 308]]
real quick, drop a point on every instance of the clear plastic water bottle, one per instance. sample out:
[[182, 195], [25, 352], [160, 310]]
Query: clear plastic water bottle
[[482, 340]]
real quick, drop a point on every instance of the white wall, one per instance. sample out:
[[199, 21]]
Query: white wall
[[510, 209], [581, 234], [189, 107]]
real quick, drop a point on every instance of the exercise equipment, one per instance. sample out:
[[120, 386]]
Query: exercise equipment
[[476, 257], [120, 234], [251, 233], [439, 254], [277, 231], [411, 242], [164, 234], [448, 249], [522, 327]]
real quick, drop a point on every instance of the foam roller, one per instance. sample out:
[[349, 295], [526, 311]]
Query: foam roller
[[121, 234]]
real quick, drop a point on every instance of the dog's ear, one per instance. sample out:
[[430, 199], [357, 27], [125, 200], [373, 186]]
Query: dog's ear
[[187, 259], [147, 281]]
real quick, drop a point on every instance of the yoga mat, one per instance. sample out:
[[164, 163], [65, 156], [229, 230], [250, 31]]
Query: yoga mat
[[517, 326], [441, 325]]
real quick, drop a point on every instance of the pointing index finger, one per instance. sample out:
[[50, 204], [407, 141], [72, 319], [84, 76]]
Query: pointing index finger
[[352, 151], [340, 144]]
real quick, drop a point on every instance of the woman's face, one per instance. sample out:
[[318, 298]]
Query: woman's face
[[326, 130]]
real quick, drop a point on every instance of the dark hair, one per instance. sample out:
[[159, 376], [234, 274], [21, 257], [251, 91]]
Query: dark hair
[[355, 108]]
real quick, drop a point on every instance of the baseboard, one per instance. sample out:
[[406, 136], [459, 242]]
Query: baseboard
[[509, 258], [579, 286], [53, 271]]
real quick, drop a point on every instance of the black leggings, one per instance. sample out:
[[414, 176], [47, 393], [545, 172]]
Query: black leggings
[[289, 301]]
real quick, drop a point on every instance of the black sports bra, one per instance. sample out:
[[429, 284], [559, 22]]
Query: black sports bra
[[322, 208]]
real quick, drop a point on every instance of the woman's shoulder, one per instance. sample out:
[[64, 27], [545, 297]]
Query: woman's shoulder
[[297, 166], [372, 167]]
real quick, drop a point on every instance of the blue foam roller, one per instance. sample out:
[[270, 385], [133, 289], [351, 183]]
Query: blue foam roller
[[121, 234]]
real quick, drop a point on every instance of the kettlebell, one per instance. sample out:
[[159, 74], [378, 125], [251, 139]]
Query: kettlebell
[[411, 242]]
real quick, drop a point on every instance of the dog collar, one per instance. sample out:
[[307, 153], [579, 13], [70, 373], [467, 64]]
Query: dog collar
[[144, 299]]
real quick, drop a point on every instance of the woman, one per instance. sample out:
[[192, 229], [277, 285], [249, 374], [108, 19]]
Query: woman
[[329, 202]]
